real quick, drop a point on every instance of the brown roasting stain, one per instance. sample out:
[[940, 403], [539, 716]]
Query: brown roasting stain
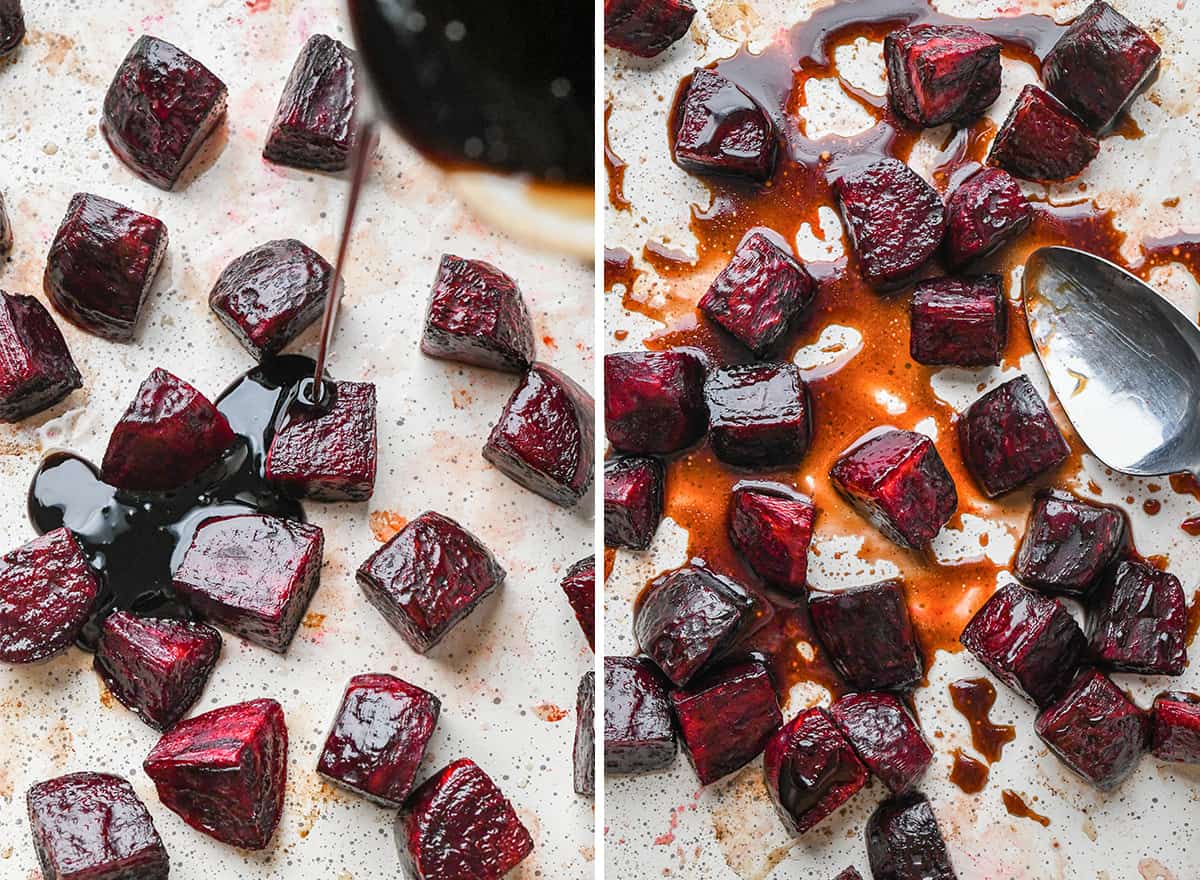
[[385, 524], [550, 713], [974, 698], [619, 269], [57, 47], [313, 620], [1016, 806]]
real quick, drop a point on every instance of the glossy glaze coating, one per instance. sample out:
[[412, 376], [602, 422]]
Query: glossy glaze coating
[[1139, 621], [759, 415], [885, 737], [941, 73], [869, 636], [36, 368], [772, 527], [579, 584], [959, 321], [1175, 734], [985, 211], [905, 843], [314, 125], [974, 698], [654, 400], [1068, 543], [633, 498], [639, 727], [1042, 140], [720, 130]]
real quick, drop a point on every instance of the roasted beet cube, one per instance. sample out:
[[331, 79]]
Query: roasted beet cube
[[314, 122], [905, 843], [895, 220], [959, 321], [1042, 140], [849, 874], [254, 575], [93, 826], [633, 501], [758, 414], [941, 73], [155, 667], [1008, 437], [12, 26], [1096, 730], [726, 718], [101, 264], [327, 452], [477, 315], [758, 294], [224, 772], [985, 211], [639, 730], [869, 636], [1176, 727], [580, 587], [269, 295], [811, 770], [583, 755], [885, 737], [1139, 620], [543, 438], [1100, 65], [646, 27], [47, 590], [721, 130], [1068, 543], [897, 480], [654, 400], [428, 578], [1028, 641], [379, 737], [772, 527], [160, 107], [36, 369]]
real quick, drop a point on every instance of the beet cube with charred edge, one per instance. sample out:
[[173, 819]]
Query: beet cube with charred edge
[[580, 587], [478, 316], [986, 211], [1139, 621], [93, 826], [869, 636], [654, 400], [959, 321], [905, 843], [895, 221], [721, 130], [543, 438], [885, 737], [379, 737], [849, 874], [811, 770], [1176, 727], [583, 755], [633, 501], [314, 122], [101, 265], [155, 667], [639, 729], [941, 73], [758, 414], [36, 369], [772, 527], [47, 590], [1042, 140], [1068, 543], [224, 772], [646, 27], [1008, 437], [428, 578], [12, 26]]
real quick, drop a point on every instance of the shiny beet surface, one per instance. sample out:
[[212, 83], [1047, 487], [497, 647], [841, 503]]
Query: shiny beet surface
[[985, 212], [905, 843], [1175, 722], [759, 415], [654, 400], [720, 130], [772, 527], [1068, 543], [583, 754], [885, 738], [849, 874], [1139, 621], [961, 322], [1042, 140], [646, 28], [314, 122], [639, 727], [633, 501], [36, 369], [12, 26], [941, 73], [868, 635], [580, 587]]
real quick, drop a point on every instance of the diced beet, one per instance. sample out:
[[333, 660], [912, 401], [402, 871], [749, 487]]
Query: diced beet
[[378, 738], [1028, 641], [428, 578], [986, 211], [1008, 437], [811, 770], [1068, 543], [12, 26], [36, 369], [721, 130], [869, 636], [269, 295], [1100, 64], [47, 590], [160, 107], [895, 221], [6, 232], [101, 265], [772, 527], [1096, 730], [633, 501], [758, 293], [459, 824], [897, 480], [639, 729], [849, 874], [156, 667], [941, 73], [759, 415], [959, 321], [1176, 727], [1139, 621], [314, 122], [543, 438], [654, 400], [327, 452], [646, 27], [580, 587], [478, 316], [583, 756], [1042, 140], [726, 718], [93, 826], [905, 843], [885, 737], [224, 772]]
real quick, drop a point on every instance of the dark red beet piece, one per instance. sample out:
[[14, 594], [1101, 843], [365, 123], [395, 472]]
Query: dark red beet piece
[[986, 211], [941, 73], [885, 737], [269, 295], [1028, 641], [905, 843], [897, 480], [224, 772], [758, 293], [959, 321], [428, 578], [379, 737], [101, 265], [633, 501], [1008, 437], [156, 667], [772, 527], [543, 438], [314, 122], [36, 369], [580, 587], [1068, 543], [1096, 730], [1042, 140], [869, 636], [478, 316], [12, 26], [646, 27], [639, 729], [654, 400], [47, 590], [93, 826], [1139, 621], [1176, 727], [721, 130], [758, 414], [811, 770], [1100, 65], [583, 755], [160, 107], [849, 874]]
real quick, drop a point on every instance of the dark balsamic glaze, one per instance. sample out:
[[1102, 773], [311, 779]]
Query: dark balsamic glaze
[[974, 698], [1016, 806]]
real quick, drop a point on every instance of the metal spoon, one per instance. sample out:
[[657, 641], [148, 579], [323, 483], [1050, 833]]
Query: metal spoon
[[1124, 362]]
